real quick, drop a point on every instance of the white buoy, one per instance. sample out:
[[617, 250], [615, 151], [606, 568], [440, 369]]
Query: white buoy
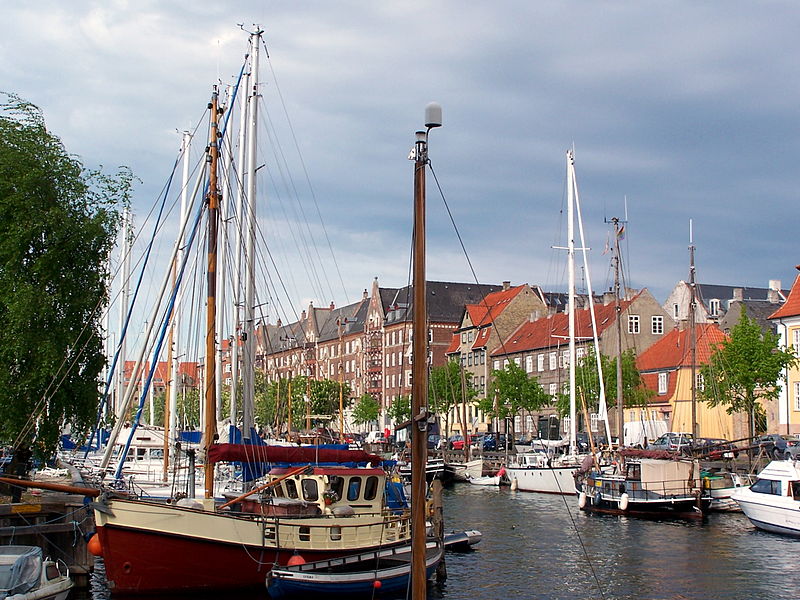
[[623, 502], [581, 499], [514, 484]]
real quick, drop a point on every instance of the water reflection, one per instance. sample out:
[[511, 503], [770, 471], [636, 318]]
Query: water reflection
[[540, 546]]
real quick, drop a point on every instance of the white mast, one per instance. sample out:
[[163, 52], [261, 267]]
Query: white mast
[[125, 248], [571, 296], [248, 329], [239, 248]]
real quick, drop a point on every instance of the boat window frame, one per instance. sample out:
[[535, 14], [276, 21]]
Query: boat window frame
[[354, 488], [371, 487], [291, 489], [309, 494], [773, 484]]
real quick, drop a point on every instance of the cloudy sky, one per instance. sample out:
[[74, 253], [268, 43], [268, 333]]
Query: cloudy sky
[[686, 109]]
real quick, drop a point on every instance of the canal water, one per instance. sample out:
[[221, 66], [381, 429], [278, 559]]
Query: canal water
[[542, 546]]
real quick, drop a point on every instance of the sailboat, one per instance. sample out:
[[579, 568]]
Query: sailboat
[[316, 503], [539, 471]]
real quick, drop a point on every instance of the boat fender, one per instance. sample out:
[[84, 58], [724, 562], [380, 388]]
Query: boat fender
[[581, 499], [623, 502], [377, 584], [598, 497], [296, 559], [94, 546], [514, 484]]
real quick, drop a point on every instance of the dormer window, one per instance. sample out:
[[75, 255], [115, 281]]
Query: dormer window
[[713, 307]]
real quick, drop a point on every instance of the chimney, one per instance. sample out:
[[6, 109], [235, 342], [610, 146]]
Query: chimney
[[608, 298], [332, 306], [506, 285], [738, 294], [279, 323], [303, 316], [774, 294], [364, 296]]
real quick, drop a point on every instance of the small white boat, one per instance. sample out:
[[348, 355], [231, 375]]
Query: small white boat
[[491, 480], [772, 503], [721, 487], [26, 575]]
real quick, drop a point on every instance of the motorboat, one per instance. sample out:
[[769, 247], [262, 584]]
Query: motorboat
[[721, 485], [26, 575], [772, 503]]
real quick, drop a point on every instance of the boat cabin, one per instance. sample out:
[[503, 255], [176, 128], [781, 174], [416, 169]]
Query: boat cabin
[[335, 490]]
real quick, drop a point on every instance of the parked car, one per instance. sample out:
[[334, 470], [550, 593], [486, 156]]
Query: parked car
[[455, 442], [484, 442], [375, 437], [672, 442], [433, 441], [778, 446], [713, 448]]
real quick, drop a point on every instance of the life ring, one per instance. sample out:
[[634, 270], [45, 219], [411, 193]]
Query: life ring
[[581, 499], [623, 502]]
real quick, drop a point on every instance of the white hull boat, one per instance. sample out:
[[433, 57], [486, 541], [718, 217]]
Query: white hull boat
[[536, 472], [25, 575], [772, 503]]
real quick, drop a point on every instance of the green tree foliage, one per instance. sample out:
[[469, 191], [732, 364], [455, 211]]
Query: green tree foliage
[[449, 385], [366, 410], [587, 382], [400, 410], [512, 392], [746, 370], [272, 400], [57, 226]]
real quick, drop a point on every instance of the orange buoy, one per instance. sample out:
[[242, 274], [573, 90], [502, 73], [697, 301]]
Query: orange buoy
[[377, 584], [296, 559], [94, 545]]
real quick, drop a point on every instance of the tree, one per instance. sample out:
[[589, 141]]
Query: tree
[[745, 370], [587, 383], [400, 410], [449, 385], [512, 392], [366, 410], [58, 223]]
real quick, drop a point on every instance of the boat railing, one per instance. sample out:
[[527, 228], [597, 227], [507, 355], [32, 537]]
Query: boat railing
[[337, 533], [647, 490]]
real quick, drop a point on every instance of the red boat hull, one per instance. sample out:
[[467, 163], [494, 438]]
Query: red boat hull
[[145, 562]]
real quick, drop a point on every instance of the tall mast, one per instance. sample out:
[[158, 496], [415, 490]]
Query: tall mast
[[571, 295], [419, 368], [618, 313], [693, 330], [211, 314], [248, 326], [125, 247], [224, 209], [239, 229]]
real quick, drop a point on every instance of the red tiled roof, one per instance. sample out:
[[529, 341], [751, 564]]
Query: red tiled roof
[[673, 350], [790, 308], [554, 329], [454, 344], [482, 338], [487, 310]]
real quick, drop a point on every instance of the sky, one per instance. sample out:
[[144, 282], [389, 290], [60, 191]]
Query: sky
[[677, 112]]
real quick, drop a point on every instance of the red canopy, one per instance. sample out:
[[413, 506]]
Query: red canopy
[[286, 454]]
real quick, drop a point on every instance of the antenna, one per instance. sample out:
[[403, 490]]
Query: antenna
[[691, 233], [433, 115]]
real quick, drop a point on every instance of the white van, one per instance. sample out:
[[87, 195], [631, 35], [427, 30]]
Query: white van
[[375, 437], [636, 432]]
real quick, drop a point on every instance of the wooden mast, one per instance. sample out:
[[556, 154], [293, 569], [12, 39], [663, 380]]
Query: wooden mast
[[693, 330], [419, 368], [210, 405]]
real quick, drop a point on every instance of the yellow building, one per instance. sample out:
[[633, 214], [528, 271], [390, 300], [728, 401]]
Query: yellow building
[[787, 319]]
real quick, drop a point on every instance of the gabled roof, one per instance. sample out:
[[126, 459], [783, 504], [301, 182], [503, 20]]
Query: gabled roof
[[553, 330], [482, 338], [351, 317], [492, 305], [455, 344], [726, 292], [674, 349], [446, 301], [790, 308]]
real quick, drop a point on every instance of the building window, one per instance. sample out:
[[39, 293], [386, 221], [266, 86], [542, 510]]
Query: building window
[[593, 419], [529, 364], [552, 361], [565, 421], [540, 362], [676, 311], [699, 382], [553, 389], [662, 383], [657, 325], [796, 340], [518, 361], [469, 359], [463, 337], [797, 395], [483, 356], [470, 336], [579, 352], [713, 307], [496, 365], [565, 358], [633, 323]]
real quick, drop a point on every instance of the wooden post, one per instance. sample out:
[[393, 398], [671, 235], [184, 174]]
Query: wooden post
[[438, 525]]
